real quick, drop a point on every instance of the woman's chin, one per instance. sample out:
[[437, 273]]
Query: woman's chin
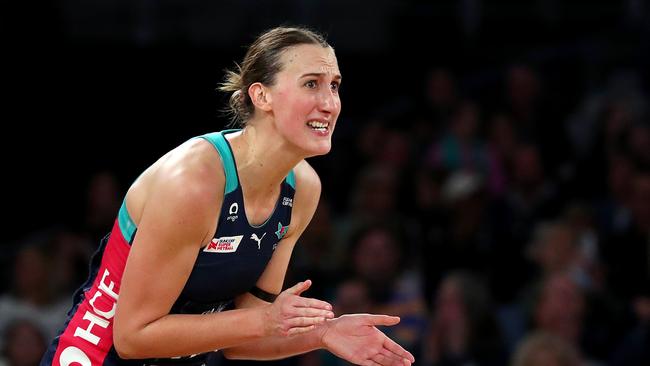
[[322, 148], [317, 149]]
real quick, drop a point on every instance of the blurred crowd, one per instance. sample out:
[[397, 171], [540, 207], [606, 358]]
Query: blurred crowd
[[502, 230]]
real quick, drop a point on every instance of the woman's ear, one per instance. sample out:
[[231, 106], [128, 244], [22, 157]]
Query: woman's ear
[[260, 96]]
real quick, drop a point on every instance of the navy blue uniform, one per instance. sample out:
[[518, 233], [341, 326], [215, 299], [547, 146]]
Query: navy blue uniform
[[228, 266]]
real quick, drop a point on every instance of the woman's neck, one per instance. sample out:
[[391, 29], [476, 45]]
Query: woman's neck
[[264, 158]]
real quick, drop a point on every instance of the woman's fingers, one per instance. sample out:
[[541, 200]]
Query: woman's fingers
[[386, 361], [395, 348], [392, 355], [293, 314], [312, 313], [299, 288], [375, 319], [304, 322], [388, 358], [299, 330], [292, 297], [307, 302]]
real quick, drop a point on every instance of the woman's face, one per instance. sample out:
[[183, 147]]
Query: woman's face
[[305, 97]]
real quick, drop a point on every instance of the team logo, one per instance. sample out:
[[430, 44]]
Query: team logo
[[282, 230], [232, 211], [286, 201], [225, 244], [258, 240]]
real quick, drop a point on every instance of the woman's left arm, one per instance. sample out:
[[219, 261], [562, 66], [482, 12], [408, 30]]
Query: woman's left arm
[[352, 337], [308, 188]]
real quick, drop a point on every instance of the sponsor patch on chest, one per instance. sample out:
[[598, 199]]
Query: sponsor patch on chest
[[224, 244]]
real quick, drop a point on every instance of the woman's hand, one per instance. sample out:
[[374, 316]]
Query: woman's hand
[[292, 314], [355, 338]]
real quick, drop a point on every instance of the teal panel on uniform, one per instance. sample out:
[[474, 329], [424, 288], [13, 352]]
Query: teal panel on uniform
[[126, 224], [291, 179], [219, 141]]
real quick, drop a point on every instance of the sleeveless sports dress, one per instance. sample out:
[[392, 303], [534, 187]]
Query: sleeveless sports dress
[[228, 266]]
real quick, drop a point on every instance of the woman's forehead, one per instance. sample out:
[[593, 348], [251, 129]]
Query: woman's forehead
[[310, 59]]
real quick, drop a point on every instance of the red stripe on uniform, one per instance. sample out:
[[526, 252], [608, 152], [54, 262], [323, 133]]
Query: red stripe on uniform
[[89, 334]]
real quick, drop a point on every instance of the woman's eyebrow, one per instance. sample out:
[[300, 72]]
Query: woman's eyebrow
[[319, 74]]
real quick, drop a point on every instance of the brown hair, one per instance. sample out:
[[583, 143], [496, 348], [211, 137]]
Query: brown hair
[[261, 64], [539, 347]]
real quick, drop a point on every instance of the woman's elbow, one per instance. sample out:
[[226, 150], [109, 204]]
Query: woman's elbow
[[124, 346]]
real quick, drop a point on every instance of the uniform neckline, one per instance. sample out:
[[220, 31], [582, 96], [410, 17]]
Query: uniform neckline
[[241, 188]]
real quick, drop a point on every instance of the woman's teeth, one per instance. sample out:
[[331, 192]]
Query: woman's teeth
[[319, 126]]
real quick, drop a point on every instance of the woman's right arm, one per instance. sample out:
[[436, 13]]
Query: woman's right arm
[[177, 217]]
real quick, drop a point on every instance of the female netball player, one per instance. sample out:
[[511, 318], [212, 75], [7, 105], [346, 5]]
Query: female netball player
[[202, 242]]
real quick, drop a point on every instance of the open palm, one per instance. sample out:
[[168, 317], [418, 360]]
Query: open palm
[[355, 338]]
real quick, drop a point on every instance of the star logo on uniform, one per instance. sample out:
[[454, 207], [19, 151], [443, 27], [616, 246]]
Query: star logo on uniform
[[282, 230]]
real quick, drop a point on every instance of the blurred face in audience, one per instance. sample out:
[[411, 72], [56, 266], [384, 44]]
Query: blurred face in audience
[[395, 150], [557, 250], [375, 191], [560, 308], [352, 297], [544, 357], [25, 344], [30, 273], [546, 349], [450, 308], [377, 257]]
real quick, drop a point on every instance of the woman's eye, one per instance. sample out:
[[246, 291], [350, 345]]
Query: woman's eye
[[310, 84], [335, 86]]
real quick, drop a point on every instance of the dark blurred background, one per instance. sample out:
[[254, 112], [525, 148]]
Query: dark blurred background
[[489, 180]]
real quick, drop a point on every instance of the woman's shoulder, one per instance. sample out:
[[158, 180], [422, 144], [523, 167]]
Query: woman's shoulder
[[308, 189], [191, 174], [307, 180], [193, 168]]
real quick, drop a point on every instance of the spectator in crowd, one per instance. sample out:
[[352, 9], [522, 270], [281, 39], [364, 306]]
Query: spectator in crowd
[[462, 329], [24, 344], [545, 349], [33, 295], [378, 260]]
